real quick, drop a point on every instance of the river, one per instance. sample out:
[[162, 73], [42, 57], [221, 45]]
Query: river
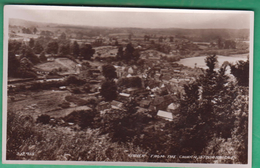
[[200, 61]]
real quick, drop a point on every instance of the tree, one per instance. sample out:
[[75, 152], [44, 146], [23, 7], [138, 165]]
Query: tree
[[29, 54], [62, 36], [75, 49], [37, 48], [14, 46], [120, 53], [64, 49], [35, 30], [13, 65], [31, 43], [241, 71], [86, 51], [128, 54], [171, 39], [206, 109], [52, 47], [26, 31], [42, 57], [25, 69], [109, 90], [109, 71]]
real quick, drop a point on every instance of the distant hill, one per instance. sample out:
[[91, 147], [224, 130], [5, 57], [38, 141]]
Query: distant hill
[[192, 34]]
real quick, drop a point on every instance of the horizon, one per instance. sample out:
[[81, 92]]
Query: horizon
[[82, 26], [131, 17]]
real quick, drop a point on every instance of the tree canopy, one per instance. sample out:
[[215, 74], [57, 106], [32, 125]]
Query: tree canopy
[[86, 51], [109, 71], [109, 90]]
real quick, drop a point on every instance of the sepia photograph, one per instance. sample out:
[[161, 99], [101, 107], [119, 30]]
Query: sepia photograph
[[127, 86]]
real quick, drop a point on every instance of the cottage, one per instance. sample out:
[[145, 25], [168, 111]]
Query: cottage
[[124, 96], [165, 115], [50, 59], [145, 103], [116, 105], [130, 70], [119, 71], [173, 107], [103, 106], [158, 100], [129, 76]]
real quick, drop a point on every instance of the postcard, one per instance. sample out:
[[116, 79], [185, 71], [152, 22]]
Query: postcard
[[127, 86]]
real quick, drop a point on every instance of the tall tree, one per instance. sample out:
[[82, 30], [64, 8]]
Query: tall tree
[[31, 42], [42, 57], [52, 47], [62, 36], [241, 71], [109, 71], [25, 69], [109, 90], [206, 109], [120, 52], [64, 49], [29, 54], [37, 48], [86, 51], [75, 49], [14, 46], [13, 65]]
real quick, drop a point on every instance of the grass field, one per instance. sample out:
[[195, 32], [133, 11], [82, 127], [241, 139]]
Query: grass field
[[37, 103], [63, 63]]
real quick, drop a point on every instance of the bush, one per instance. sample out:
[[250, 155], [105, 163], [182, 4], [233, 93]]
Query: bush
[[74, 80], [57, 143], [84, 118], [64, 105], [44, 119], [19, 131]]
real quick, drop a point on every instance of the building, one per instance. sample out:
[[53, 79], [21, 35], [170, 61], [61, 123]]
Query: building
[[173, 108], [117, 105], [124, 96], [165, 115], [103, 106], [145, 103]]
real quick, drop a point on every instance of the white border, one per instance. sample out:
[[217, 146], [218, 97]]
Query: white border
[[9, 8]]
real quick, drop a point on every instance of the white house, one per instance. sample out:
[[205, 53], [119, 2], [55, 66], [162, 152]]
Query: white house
[[165, 115]]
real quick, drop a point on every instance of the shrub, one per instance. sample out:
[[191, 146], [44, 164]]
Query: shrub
[[74, 80], [19, 132], [83, 118], [44, 119], [64, 104]]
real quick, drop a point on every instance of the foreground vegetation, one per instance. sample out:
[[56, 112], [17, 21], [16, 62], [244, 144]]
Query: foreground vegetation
[[213, 122]]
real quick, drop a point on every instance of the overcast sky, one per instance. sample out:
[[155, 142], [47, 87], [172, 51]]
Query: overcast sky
[[126, 17]]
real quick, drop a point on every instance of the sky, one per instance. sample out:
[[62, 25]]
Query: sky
[[131, 17]]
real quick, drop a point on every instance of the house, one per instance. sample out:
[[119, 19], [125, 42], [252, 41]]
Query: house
[[124, 96], [130, 70], [119, 71], [116, 105], [50, 59], [173, 107], [129, 76], [165, 115], [131, 90], [78, 68], [158, 100], [103, 106], [144, 103]]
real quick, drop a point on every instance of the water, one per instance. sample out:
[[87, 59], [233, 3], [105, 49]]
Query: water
[[200, 61]]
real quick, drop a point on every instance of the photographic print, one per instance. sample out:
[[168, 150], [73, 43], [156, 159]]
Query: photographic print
[[127, 86]]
